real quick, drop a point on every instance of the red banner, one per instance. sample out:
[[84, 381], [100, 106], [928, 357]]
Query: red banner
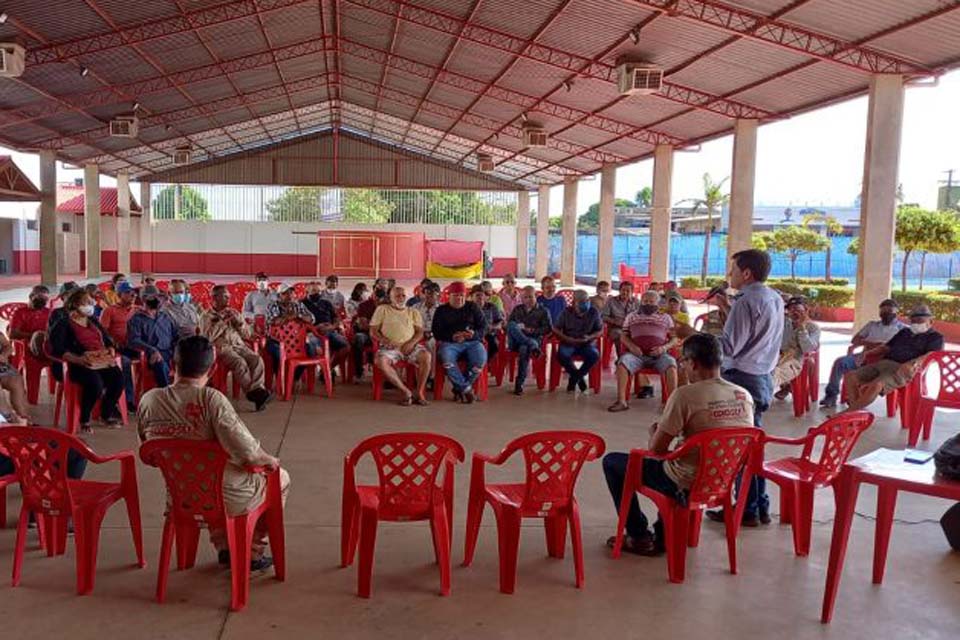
[[453, 253]]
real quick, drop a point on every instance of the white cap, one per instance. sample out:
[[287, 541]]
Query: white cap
[[285, 286]]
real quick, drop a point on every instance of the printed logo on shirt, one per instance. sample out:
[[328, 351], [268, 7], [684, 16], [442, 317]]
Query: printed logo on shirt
[[727, 409]]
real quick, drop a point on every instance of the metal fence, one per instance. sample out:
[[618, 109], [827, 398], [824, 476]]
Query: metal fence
[[331, 204]]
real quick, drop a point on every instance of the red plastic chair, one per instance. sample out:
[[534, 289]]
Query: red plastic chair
[[7, 310], [106, 285], [567, 295], [594, 376], [481, 386], [200, 295], [407, 369], [33, 370], [68, 395], [410, 488], [606, 348], [633, 384], [292, 337], [805, 388], [40, 457], [946, 396], [798, 478], [538, 365], [722, 454], [193, 473], [553, 461], [163, 285], [238, 293]]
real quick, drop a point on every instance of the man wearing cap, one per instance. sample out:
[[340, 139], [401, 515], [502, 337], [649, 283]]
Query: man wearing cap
[[873, 334], [801, 336], [899, 360], [114, 321], [256, 302], [459, 328], [184, 315], [154, 334]]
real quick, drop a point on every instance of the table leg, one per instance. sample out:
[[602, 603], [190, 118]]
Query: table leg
[[886, 504], [848, 485]]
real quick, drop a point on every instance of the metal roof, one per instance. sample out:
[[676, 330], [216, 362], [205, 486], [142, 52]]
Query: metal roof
[[15, 186], [108, 204], [444, 78]]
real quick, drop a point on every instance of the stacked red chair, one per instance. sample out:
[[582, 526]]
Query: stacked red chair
[[722, 453], [481, 386], [193, 473], [805, 388], [40, 457], [415, 472], [799, 477], [292, 337], [945, 396], [553, 461]]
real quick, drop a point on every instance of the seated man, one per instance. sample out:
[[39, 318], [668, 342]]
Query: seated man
[[459, 327], [111, 296], [646, 341], [616, 310], [417, 297], [399, 330], [899, 360], [491, 296], [287, 309], [256, 302], [361, 333], [528, 325], [427, 307], [190, 409], [226, 329], [578, 328], [509, 294], [178, 306], [873, 334], [153, 333], [708, 402], [600, 299], [549, 300], [332, 295], [670, 287], [326, 322], [493, 318], [801, 336], [114, 320]]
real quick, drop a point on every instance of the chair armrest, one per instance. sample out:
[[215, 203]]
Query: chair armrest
[[90, 455], [789, 441], [646, 453]]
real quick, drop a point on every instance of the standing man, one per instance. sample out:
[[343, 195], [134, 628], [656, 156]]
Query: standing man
[[578, 328], [751, 342], [459, 327]]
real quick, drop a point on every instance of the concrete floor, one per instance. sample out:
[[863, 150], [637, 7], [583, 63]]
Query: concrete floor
[[631, 597]]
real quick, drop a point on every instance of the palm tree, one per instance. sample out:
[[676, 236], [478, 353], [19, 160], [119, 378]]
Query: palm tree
[[644, 197], [713, 200], [830, 227]]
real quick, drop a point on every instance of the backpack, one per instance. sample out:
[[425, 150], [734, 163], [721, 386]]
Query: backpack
[[947, 458]]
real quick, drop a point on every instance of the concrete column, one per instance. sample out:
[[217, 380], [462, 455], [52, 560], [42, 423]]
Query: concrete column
[[48, 219], [145, 245], [878, 201], [661, 213], [542, 260], [91, 219], [568, 247], [608, 186], [123, 223], [741, 186], [523, 233]]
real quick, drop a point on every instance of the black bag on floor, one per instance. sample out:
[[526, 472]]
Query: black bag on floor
[[951, 526], [947, 458]]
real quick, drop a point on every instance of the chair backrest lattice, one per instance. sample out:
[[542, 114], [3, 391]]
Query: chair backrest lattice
[[40, 458], [7, 310], [567, 295], [840, 434], [947, 364], [293, 336], [193, 473], [722, 453]]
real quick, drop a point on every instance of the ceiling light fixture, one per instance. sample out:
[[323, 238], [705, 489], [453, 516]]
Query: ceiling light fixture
[[635, 35], [136, 105], [84, 71], [567, 84], [523, 116], [3, 18]]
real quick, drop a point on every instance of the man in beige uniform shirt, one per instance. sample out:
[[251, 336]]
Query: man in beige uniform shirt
[[226, 329], [189, 409]]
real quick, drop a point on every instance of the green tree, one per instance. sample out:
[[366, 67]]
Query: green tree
[[713, 201], [555, 222], [943, 236], [644, 197], [297, 204], [829, 226], [793, 241], [366, 206], [446, 207], [854, 247], [591, 219], [192, 204], [914, 230]]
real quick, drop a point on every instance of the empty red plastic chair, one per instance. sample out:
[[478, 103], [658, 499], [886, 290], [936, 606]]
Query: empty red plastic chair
[[945, 396], [292, 337], [200, 294], [481, 386], [193, 473], [722, 453], [40, 457], [798, 478], [553, 461], [805, 388], [410, 487]]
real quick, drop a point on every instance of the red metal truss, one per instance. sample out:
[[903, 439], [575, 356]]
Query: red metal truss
[[573, 63], [123, 36], [385, 70], [756, 26]]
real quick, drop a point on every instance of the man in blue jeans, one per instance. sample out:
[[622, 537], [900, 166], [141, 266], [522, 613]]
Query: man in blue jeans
[[459, 327], [578, 328], [153, 332], [751, 341], [526, 328]]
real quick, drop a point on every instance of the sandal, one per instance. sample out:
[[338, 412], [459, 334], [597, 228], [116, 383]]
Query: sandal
[[406, 402], [639, 547], [420, 401], [617, 407]]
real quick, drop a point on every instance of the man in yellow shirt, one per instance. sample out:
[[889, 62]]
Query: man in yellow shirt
[[399, 330]]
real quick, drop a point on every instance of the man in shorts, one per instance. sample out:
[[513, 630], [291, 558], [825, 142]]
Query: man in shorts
[[399, 330], [646, 341], [900, 359]]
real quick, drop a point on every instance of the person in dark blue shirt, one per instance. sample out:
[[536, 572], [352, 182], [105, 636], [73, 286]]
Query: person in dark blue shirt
[[153, 332], [549, 300]]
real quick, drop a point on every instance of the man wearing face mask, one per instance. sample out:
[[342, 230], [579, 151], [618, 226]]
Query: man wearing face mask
[[873, 334], [801, 336], [257, 302], [153, 333], [578, 328], [646, 341], [111, 296], [181, 311], [331, 294], [898, 360], [114, 320]]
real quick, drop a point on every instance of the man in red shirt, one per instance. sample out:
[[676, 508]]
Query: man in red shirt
[[114, 321], [33, 318]]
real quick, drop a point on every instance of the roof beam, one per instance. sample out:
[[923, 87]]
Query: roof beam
[[543, 54], [762, 28]]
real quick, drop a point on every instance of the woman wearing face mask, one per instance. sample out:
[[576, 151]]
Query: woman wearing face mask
[[84, 344]]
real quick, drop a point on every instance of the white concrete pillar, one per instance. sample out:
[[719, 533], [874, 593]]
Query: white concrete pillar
[[48, 219], [523, 233], [542, 259], [568, 247], [91, 219], [878, 201], [145, 245], [741, 186], [661, 212], [608, 187], [123, 223]]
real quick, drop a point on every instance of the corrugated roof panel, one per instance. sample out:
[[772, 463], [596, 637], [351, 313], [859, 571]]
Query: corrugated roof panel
[[406, 82], [297, 23], [75, 21], [669, 42], [695, 124], [369, 27], [517, 17], [587, 94], [585, 136], [627, 147], [210, 89], [854, 19], [175, 52], [608, 23], [162, 101], [256, 79], [450, 96], [478, 62], [497, 110], [806, 86], [932, 42], [64, 79], [234, 38], [271, 106], [426, 45], [532, 78], [15, 95], [736, 65], [303, 67], [643, 110]]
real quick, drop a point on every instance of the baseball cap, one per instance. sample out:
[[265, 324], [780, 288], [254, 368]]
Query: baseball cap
[[795, 300], [675, 295], [456, 287], [285, 287], [67, 287], [261, 275], [921, 311], [124, 287]]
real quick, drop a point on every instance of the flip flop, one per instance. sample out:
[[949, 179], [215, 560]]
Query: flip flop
[[421, 402], [406, 402], [618, 407]]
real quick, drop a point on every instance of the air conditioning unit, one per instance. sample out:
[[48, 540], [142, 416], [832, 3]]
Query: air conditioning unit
[[182, 155], [639, 77], [485, 162], [11, 60], [534, 136], [125, 127]]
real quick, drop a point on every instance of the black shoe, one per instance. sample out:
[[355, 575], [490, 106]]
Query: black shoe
[[518, 390], [748, 520], [645, 392], [765, 517], [223, 557], [582, 385], [571, 385], [457, 395], [468, 397], [261, 563], [829, 402], [260, 398]]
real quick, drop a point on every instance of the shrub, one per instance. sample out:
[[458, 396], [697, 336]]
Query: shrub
[[693, 282], [943, 306], [837, 282], [953, 284], [818, 296]]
